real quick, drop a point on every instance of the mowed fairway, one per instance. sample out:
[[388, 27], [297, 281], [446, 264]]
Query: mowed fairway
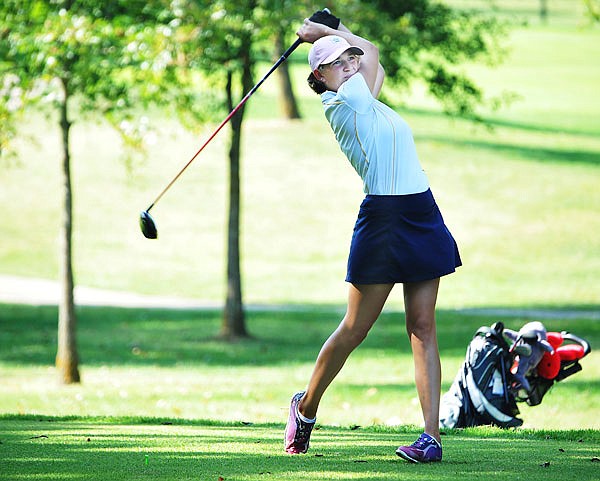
[[100, 449], [161, 398]]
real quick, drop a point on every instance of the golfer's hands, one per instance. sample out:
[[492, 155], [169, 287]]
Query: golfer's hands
[[326, 18], [311, 31]]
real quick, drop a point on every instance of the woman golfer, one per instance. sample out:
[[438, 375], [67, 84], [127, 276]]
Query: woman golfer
[[399, 236]]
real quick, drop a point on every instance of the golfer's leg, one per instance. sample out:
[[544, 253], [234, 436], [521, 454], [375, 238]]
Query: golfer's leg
[[419, 303], [365, 303]]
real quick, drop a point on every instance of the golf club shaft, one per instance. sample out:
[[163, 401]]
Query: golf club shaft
[[285, 55]]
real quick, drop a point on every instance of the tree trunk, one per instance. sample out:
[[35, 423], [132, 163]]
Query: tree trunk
[[67, 359], [234, 323], [287, 100], [544, 10]]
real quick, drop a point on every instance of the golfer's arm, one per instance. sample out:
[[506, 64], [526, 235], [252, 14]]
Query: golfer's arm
[[370, 67]]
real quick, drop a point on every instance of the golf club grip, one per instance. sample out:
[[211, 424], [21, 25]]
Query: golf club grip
[[285, 55], [582, 342]]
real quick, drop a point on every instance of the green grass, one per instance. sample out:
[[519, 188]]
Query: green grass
[[157, 385], [162, 363], [561, 13], [132, 449]]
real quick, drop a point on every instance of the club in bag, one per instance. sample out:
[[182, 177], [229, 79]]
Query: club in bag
[[147, 224]]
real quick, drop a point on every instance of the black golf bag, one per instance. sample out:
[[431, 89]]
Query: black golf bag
[[480, 392], [489, 383]]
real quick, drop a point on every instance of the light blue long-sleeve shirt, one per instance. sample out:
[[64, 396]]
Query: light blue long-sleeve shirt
[[377, 141]]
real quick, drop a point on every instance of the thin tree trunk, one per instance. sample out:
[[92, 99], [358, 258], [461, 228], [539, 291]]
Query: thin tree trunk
[[67, 359], [234, 323], [287, 100], [544, 10], [234, 320]]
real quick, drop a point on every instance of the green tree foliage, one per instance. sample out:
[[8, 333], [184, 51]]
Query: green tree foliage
[[593, 9], [112, 56], [77, 57], [419, 40], [423, 40]]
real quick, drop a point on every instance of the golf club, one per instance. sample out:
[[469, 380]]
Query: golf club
[[147, 224]]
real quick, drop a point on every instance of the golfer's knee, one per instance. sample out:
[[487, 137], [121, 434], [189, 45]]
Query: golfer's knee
[[421, 326], [352, 337]]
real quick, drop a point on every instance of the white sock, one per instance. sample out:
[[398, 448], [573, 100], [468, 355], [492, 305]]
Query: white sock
[[304, 418]]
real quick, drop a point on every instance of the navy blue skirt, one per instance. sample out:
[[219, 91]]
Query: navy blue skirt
[[400, 238]]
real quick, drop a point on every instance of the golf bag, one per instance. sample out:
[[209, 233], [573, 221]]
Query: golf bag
[[496, 375], [480, 392]]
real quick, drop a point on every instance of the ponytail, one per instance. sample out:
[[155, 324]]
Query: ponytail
[[317, 86]]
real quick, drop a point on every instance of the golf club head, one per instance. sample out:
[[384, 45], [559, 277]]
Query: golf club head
[[530, 337], [147, 225], [523, 350]]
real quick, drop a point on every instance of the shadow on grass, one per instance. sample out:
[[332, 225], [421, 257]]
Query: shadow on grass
[[515, 150], [162, 337], [525, 152], [509, 124], [150, 449]]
